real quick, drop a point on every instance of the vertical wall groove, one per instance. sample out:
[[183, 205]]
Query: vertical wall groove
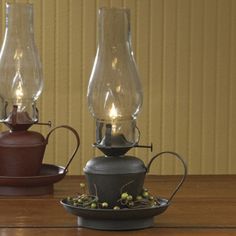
[[209, 87], [196, 86], [55, 76], [175, 85], [69, 77], [229, 86], [232, 133], [216, 89], [82, 75], [189, 75], [149, 79], [202, 87], [156, 77], [82, 149], [222, 86], [162, 86], [169, 81], [182, 81]]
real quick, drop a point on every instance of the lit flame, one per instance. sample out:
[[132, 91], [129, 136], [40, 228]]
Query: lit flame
[[17, 89], [17, 85], [113, 112], [19, 92]]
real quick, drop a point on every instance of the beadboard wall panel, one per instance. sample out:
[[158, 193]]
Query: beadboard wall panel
[[186, 54]]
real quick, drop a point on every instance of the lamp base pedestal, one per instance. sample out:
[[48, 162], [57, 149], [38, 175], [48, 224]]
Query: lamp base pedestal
[[110, 219], [115, 224]]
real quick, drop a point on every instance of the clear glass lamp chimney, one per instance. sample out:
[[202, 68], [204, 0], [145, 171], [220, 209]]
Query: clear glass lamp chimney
[[21, 80], [114, 90]]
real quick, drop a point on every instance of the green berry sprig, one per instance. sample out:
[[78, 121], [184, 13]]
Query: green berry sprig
[[145, 199], [126, 200]]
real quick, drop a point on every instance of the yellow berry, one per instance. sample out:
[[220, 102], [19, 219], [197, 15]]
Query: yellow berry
[[116, 208], [145, 194], [139, 198], [124, 196], [129, 198], [151, 198], [104, 204]]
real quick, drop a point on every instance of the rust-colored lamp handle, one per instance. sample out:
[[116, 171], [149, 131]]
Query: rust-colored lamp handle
[[77, 141], [176, 155]]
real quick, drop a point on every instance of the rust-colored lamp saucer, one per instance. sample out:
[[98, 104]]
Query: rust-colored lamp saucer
[[32, 185]]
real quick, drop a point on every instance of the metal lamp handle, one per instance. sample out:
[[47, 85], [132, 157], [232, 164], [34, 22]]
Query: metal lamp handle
[[77, 141], [184, 165]]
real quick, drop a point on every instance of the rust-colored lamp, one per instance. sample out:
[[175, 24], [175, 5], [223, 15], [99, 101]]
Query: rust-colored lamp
[[21, 83]]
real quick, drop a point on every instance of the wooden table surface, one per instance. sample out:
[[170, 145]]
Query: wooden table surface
[[206, 205]]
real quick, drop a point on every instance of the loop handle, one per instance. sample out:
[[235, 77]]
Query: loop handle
[[77, 142], [176, 155]]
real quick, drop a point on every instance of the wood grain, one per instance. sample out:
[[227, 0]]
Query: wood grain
[[87, 232], [206, 205]]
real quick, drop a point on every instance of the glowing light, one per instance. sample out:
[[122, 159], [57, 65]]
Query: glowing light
[[113, 112], [17, 83], [19, 91], [18, 88]]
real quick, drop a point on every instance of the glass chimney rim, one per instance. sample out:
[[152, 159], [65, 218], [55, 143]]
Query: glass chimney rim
[[114, 9]]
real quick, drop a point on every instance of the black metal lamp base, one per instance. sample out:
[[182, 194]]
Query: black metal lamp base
[[124, 218], [105, 224]]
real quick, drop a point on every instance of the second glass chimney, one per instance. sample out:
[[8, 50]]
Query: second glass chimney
[[114, 91]]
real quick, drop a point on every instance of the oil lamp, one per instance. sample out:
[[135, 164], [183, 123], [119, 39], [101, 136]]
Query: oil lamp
[[21, 83], [114, 99], [115, 180]]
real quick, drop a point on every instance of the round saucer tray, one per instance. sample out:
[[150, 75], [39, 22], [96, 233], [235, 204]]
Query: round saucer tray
[[32, 185], [123, 219]]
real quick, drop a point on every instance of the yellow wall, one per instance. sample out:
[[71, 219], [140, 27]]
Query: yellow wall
[[186, 54]]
